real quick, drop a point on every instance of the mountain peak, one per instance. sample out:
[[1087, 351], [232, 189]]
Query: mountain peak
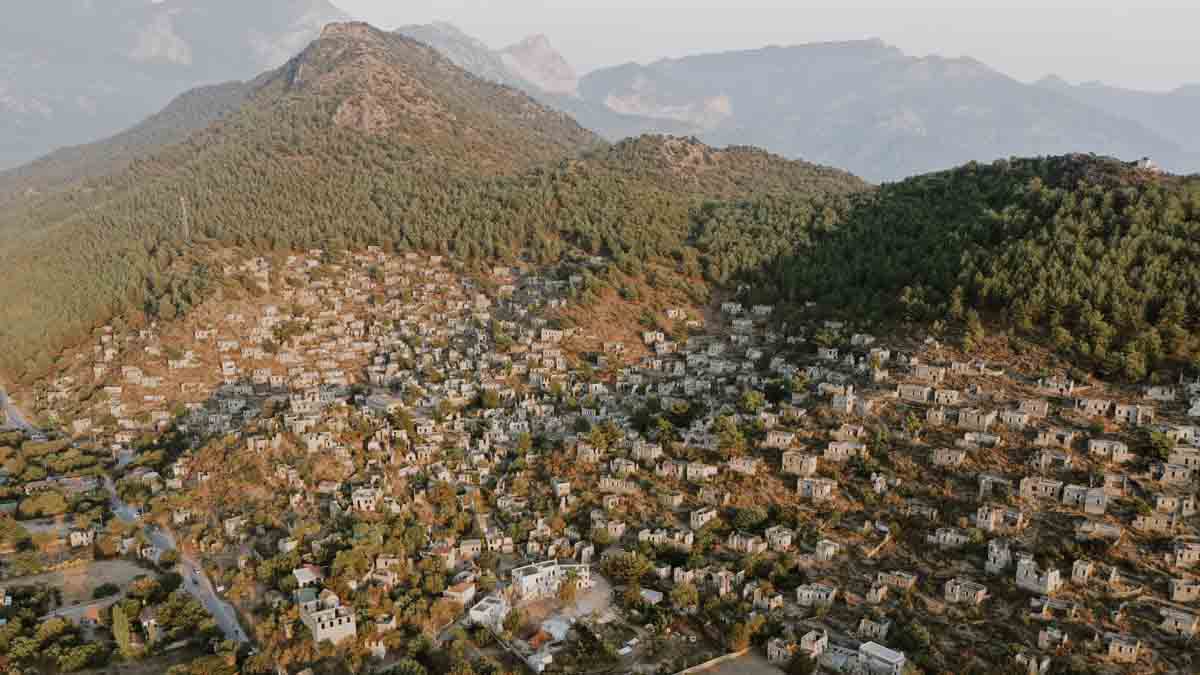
[[536, 60], [354, 30], [389, 85], [1052, 81], [538, 41]]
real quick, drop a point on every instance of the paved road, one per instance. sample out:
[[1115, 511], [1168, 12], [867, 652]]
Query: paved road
[[10, 416], [195, 580]]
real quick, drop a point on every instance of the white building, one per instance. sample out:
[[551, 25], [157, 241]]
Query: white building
[[542, 580]]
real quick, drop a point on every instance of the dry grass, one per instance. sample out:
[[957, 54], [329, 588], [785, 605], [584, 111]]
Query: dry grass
[[77, 583]]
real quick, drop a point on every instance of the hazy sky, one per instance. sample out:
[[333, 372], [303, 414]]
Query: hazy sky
[[1123, 43]]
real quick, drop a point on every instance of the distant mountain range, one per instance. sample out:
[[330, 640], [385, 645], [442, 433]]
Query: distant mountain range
[[73, 71], [863, 106], [71, 75], [1173, 115]]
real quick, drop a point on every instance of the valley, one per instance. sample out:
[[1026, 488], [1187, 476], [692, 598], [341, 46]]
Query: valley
[[371, 365]]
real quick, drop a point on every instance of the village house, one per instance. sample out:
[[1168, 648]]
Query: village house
[[873, 629], [1134, 415], [815, 595], [948, 538], [797, 463], [1184, 590], [999, 556], [779, 538], [701, 517], [974, 419], [1184, 554], [950, 458], [914, 393], [841, 451], [1055, 438], [959, 590], [1122, 648], [1032, 579], [816, 489], [1178, 622], [1112, 451], [1036, 487], [324, 615]]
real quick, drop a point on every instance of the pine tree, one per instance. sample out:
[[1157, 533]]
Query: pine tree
[[120, 630]]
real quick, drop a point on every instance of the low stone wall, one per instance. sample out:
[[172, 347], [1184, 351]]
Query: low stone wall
[[713, 662]]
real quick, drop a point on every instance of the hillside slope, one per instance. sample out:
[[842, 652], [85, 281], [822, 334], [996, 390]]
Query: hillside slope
[[372, 138], [185, 115], [1091, 253]]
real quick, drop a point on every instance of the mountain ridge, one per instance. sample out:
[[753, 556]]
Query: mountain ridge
[[868, 107], [372, 138]]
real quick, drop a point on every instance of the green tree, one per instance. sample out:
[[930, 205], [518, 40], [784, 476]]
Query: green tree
[[751, 402], [800, 664], [684, 596], [120, 631]]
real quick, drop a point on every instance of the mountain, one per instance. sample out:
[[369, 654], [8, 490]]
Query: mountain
[[869, 108], [1093, 255], [466, 52], [1172, 114], [536, 69], [536, 61], [73, 71], [372, 138]]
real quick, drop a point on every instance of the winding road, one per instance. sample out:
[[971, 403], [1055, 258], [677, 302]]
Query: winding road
[[195, 581]]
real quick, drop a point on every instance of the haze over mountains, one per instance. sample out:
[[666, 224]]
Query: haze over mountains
[[862, 106], [74, 71]]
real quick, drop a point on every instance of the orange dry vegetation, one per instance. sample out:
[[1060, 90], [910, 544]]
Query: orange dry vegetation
[[613, 318]]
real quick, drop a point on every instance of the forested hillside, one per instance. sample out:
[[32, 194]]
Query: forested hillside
[[371, 138], [1093, 254]]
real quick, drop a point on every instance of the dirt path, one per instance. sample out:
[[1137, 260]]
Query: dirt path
[[77, 583], [751, 663]]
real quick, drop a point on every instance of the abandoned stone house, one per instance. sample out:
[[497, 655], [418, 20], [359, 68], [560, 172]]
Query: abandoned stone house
[[1134, 415], [974, 419], [948, 538], [1122, 648], [949, 457], [815, 595], [1094, 407], [946, 396], [1057, 386], [1109, 450], [816, 489], [964, 591], [1033, 579], [994, 518], [1036, 487], [841, 451], [928, 373], [999, 556], [914, 393], [1055, 438], [1014, 419]]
